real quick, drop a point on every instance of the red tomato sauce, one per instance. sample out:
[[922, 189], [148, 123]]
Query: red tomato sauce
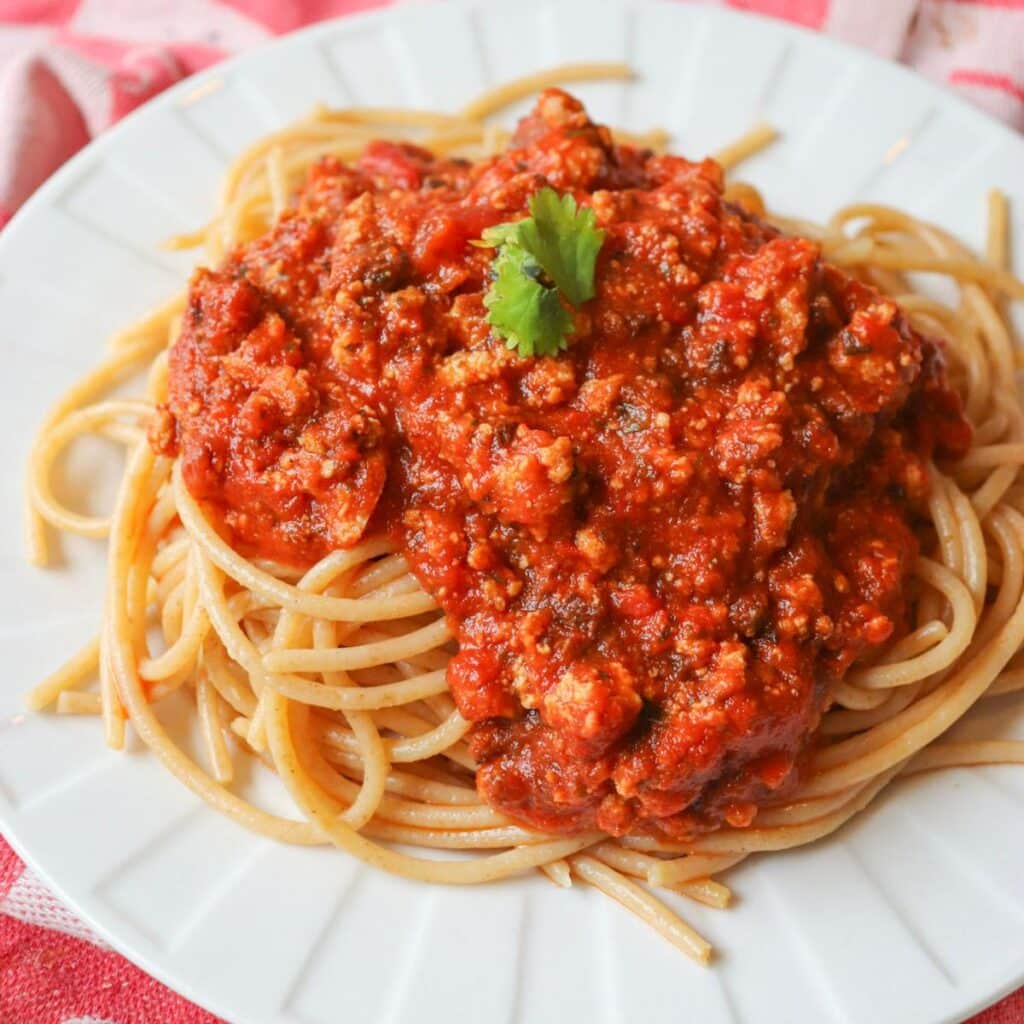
[[656, 548]]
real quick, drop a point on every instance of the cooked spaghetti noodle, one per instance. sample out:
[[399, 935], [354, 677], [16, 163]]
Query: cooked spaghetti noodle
[[335, 677]]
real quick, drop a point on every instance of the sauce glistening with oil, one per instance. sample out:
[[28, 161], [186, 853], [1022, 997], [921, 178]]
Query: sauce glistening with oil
[[657, 547]]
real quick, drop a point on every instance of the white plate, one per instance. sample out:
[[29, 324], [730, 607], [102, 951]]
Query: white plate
[[913, 914]]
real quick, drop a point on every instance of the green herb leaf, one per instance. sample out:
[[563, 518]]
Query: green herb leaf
[[527, 314], [542, 259], [564, 241], [500, 234]]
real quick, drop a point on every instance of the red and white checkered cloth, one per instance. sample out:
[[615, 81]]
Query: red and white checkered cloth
[[70, 68]]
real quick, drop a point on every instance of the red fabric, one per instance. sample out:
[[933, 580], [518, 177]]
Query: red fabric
[[46, 976], [988, 80], [1016, 4], [70, 68], [47, 111], [1009, 1011], [35, 12], [284, 17], [811, 13]]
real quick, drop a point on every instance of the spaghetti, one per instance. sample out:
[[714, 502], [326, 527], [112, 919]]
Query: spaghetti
[[335, 676]]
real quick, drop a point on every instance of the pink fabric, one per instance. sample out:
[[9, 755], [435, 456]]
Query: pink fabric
[[70, 68]]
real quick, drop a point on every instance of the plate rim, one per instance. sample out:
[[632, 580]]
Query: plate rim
[[1005, 981]]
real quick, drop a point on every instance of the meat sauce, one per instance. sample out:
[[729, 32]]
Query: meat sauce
[[658, 547]]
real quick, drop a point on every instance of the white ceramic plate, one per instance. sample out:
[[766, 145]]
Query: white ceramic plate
[[913, 914]]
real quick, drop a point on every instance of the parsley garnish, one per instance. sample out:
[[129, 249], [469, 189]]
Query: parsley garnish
[[542, 259], [526, 313]]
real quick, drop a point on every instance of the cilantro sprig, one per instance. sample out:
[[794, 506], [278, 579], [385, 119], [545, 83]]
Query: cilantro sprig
[[543, 262]]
